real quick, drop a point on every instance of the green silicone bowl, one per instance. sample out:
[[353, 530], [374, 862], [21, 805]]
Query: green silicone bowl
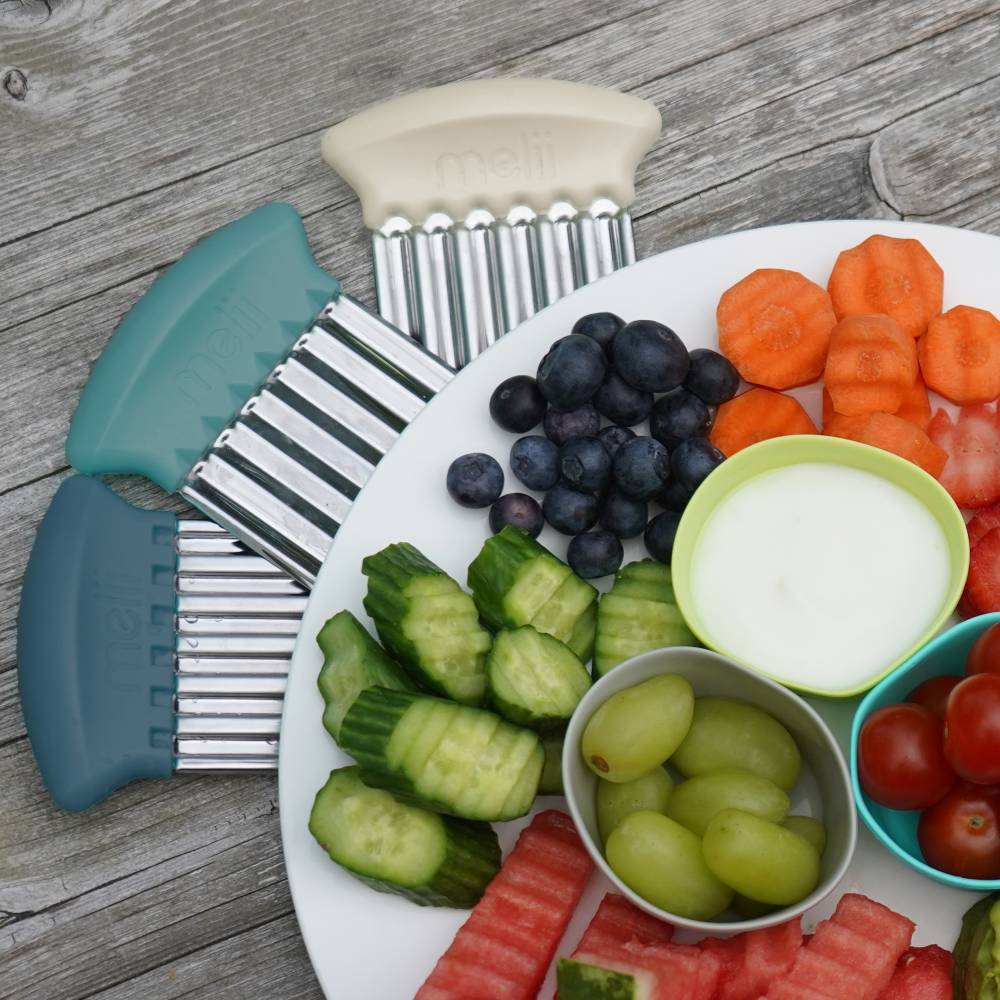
[[897, 829], [813, 448]]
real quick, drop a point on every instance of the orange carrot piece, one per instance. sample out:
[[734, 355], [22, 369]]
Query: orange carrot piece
[[898, 278], [775, 326], [891, 433], [960, 355], [757, 415], [916, 405], [871, 365]]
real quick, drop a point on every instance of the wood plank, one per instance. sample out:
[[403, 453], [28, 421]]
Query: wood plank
[[128, 98], [941, 163], [265, 963], [134, 235]]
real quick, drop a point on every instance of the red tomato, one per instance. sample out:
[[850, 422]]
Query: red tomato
[[961, 833], [933, 693], [972, 729], [984, 657], [900, 761]]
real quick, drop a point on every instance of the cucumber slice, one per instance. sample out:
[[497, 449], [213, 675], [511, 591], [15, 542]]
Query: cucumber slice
[[431, 859], [577, 980], [516, 581], [428, 622], [534, 680], [445, 757], [638, 614], [551, 782], [353, 661]]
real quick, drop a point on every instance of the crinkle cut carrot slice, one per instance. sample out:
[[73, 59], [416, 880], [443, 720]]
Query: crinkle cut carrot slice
[[757, 415], [774, 326], [960, 355], [888, 275]]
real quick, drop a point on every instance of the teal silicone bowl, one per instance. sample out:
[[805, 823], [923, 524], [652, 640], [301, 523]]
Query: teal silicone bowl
[[897, 829]]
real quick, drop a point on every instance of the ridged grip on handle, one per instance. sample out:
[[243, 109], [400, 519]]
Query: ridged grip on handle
[[196, 346], [95, 644], [492, 144]]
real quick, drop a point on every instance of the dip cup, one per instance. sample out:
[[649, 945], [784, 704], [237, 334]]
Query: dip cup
[[823, 789], [814, 448], [896, 829]]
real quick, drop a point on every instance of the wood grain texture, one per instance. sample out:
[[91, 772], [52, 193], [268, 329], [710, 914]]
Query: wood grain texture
[[128, 130]]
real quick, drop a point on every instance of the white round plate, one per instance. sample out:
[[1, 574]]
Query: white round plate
[[368, 944]]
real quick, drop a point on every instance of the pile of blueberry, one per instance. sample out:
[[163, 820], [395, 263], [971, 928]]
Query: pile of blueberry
[[603, 476]]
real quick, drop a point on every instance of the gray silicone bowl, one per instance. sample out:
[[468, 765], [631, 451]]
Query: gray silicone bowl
[[823, 790]]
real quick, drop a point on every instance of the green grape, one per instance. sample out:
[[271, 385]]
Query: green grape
[[726, 733], [750, 909], [551, 783], [637, 729], [662, 861], [615, 801], [811, 829], [760, 859], [698, 799]]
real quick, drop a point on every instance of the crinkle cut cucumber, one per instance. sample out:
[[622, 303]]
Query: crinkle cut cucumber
[[516, 581], [443, 756], [427, 621], [638, 614], [534, 679], [551, 782], [431, 859], [352, 661]]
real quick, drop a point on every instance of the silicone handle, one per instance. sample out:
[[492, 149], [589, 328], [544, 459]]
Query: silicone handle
[[95, 641], [196, 346], [492, 144]]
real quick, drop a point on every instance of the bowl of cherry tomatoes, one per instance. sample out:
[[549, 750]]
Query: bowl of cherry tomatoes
[[925, 757]]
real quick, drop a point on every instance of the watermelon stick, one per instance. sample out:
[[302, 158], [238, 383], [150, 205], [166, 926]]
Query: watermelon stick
[[503, 950]]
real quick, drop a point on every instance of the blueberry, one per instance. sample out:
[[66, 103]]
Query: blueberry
[[594, 554], [650, 356], [518, 510], [601, 327], [678, 416], [641, 467], [564, 425], [584, 464], [620, 403], [569, 510], [711, 377], [614, 437], [624, 516], [674, 496], [572, 371], [659, 536], [535, 461], [692, 460], [517, 405], [475, 480]]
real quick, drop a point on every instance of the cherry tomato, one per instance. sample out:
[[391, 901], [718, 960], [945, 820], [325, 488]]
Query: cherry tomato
[[972, 729], [933, 693], [961, 833], [984, 657], [900, 761]]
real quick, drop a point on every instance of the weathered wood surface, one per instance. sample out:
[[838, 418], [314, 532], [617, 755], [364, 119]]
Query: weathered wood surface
[[128, 130]]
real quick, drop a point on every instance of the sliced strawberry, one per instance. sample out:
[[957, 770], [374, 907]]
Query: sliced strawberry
[[985, 520], [982, 590], [972, 473], [922, 974]]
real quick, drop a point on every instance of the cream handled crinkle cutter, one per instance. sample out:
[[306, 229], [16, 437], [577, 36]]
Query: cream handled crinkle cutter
[[490, 199], [148, 644]]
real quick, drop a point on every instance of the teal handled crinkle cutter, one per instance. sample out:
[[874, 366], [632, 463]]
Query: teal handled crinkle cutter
[[246, 381]]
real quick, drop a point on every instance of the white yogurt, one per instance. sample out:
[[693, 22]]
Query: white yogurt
[[818, 574]]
